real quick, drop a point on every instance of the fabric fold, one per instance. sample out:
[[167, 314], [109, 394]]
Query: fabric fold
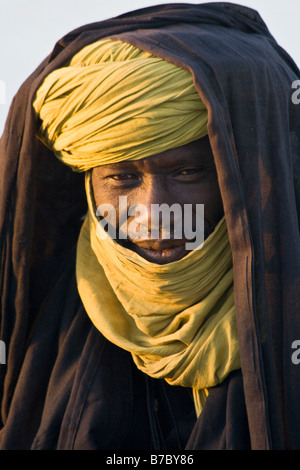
[[121, 103]]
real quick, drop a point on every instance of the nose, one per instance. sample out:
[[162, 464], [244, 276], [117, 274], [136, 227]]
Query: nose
[[154, 191], [154, 206]]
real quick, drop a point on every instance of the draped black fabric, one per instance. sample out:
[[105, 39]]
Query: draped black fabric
[[245, 80]]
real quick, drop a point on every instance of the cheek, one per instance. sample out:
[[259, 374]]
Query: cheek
[[103, 193], [213, 208], [209, 195], [119, 201]]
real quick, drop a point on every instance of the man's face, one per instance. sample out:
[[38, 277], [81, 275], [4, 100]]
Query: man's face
[[183, 176]]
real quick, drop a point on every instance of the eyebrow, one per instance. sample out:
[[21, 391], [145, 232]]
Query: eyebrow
[[165, 162]]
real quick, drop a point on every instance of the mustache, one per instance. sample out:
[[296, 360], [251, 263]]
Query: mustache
[[166, 239]]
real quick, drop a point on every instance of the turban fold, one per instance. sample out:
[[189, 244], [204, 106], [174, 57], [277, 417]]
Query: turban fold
[[114, 102]]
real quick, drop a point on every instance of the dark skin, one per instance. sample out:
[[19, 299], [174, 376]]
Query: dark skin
[[184, 175]]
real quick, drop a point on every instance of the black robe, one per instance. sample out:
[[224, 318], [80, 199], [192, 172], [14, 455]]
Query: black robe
[[64, 386]]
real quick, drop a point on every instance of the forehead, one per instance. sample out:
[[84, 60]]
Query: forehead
[[195, 153]]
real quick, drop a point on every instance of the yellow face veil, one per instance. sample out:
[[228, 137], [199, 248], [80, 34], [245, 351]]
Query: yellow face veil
[[177, 320]]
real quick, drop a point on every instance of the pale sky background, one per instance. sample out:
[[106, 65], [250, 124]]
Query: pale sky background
[[30, 28]]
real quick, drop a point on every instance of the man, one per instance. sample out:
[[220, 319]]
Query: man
[[138, 342]]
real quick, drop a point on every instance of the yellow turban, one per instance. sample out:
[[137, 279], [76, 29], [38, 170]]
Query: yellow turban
[[114, 102]]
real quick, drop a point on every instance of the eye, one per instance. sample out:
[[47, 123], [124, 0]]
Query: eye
[[121, 179], [189, 173]]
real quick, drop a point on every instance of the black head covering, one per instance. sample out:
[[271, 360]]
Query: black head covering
[[245, 80]]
